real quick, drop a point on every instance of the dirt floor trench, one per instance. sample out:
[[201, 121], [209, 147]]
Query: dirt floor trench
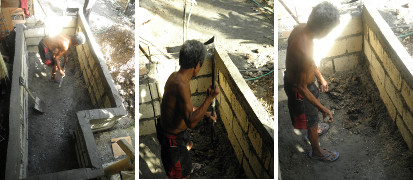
[[51, 147], [370, 145]]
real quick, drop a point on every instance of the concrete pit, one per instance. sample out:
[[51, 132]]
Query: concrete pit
[[370, 80], [60, 144]]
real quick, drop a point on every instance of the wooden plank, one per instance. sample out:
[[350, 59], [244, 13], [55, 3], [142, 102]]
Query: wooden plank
[[117, 151]]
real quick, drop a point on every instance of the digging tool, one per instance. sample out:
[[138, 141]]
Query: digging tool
[[61, 80], [213, 83], [39, 104]]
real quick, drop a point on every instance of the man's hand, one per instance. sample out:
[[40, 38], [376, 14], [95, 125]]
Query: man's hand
[[62, 73], [209, 116], [323, 85], [213, 93], [326, 113]]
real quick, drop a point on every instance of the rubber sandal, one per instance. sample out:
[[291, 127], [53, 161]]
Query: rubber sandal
[[195, 167], [325, 158]]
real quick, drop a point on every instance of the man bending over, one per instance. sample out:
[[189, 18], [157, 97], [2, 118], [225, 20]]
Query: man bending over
[[178, 114], [52, 48]]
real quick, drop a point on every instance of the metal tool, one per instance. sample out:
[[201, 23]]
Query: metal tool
[[213, 83], [39, 104], [61, 80]]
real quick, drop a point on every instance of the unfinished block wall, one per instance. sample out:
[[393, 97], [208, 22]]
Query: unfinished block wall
[[391, 68], [345, 52], [17, 149], [149, 107], [102, 90], [249, 127]]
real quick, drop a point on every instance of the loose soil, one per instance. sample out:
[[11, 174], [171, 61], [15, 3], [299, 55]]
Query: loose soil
[[370, 145]]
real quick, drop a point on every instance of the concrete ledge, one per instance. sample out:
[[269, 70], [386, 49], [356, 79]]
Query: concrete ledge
[[80, 174], [17, 149]]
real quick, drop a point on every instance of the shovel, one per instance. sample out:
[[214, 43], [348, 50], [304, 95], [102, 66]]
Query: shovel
[[39, 104]]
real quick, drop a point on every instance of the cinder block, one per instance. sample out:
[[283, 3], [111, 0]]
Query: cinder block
[[354, 44], [224, 84], [241, 137], [144, 93], [86, 49], [193, 83], [256, 165], [92, 96], [100, 87], [240, 113], [206, 68], [406, 134], [407, 93], [198, 100], [147, 127], [268, 158], [389, 105], [345, 63], [89, 74], [392, 71], [226, 114], [354, 26], [247, 169], [107, 102], [408, 119], [367, 50], [146, 111], [337, 48], [157, 106], [34, 32], [377, 47], [394, 95], [235, 145], [91, 61], [256, 140], [154, 90], [68, 31], [85, 77], [33, 41], [326, 64], [204, 84], [379, 83], [378, 68], [366, 31]]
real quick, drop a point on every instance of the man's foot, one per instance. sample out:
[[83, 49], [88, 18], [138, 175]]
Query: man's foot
[[54, 80], [328, 156], [195, 167]]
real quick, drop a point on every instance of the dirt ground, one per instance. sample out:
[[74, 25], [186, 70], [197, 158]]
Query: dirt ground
[[369, 143], [50, 141]]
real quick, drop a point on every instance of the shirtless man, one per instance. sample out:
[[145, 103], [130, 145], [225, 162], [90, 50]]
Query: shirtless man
[[303, 100], [178, 114], [52, 48]]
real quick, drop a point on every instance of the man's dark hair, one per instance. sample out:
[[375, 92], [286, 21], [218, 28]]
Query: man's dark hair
[[323, 16], [78, 38], [192, 52]]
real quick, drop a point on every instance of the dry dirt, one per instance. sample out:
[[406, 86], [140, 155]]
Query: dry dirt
[[369, 143]]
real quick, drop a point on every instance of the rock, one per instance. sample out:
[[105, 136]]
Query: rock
[[256, 50]]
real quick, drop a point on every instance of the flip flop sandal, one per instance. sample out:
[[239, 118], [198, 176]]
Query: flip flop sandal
[[325, 158], [195, 167], [324, 128]]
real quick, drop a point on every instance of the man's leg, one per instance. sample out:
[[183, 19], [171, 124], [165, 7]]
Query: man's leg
[[317, 150], [54, 70]]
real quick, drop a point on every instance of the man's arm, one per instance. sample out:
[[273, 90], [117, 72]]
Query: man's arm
[[190, 116], [305, 68], [323, 85]]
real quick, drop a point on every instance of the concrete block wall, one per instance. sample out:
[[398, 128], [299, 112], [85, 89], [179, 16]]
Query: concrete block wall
[[17, 149], [249, 127], [149, 107], [102, 91], [391, 68], [345, 52]]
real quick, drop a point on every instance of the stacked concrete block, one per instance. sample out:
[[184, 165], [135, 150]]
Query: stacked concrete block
[[245, 121], [391, 68], [343, 54], [149, 107]]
